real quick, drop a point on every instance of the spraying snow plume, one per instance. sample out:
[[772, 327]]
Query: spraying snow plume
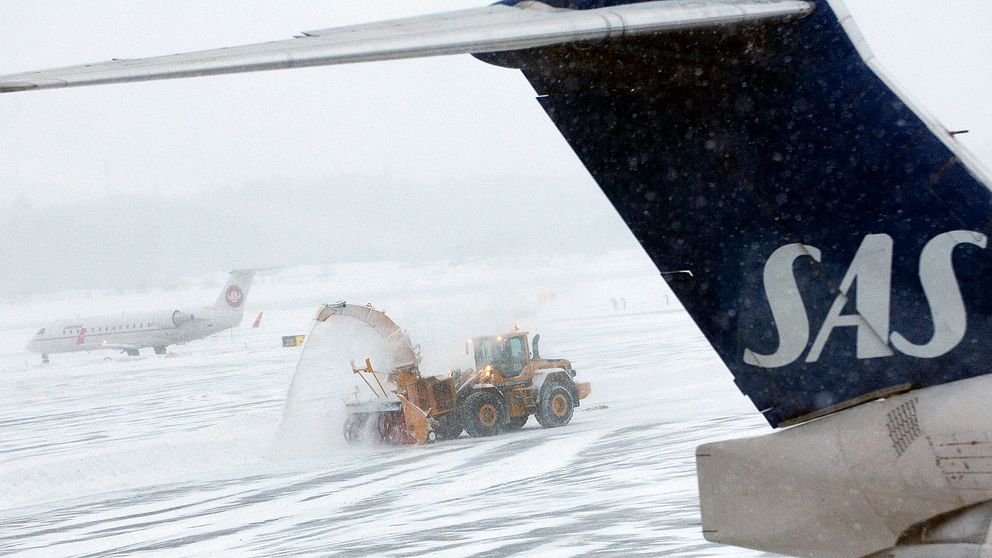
[[313, 417]]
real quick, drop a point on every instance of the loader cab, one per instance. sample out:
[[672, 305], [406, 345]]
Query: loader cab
[[505, 353]]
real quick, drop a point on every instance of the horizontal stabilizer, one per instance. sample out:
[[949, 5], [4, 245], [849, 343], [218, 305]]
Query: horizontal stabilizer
[[496, 28]]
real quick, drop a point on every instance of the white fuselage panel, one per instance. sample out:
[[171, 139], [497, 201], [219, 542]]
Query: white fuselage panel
[[129, 331]]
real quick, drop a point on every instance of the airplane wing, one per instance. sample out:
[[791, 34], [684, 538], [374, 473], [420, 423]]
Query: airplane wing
[[497, 28]]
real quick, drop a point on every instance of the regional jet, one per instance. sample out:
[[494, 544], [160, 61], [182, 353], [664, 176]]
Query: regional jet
[[129, 333], [836, 236]]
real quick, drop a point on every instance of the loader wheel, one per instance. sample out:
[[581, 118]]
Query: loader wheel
[[556, 406], [449, 426], [483, 414], [516, 423]]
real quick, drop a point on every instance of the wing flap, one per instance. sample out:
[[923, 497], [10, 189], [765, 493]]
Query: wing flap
[[494, 28]]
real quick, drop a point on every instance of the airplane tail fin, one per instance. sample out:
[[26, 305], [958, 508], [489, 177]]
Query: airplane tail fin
[[834, 236], [235, 292]]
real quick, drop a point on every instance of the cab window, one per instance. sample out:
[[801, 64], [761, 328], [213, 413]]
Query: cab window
[[516, 358]]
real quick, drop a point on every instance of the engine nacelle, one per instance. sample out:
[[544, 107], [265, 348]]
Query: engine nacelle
[[179, 318], [906, 476]]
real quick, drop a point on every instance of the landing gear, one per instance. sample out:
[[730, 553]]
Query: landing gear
[[159, 350]]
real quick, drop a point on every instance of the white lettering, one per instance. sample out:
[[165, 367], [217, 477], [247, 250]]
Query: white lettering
[[872, 268], [787, 307], [943, 295]]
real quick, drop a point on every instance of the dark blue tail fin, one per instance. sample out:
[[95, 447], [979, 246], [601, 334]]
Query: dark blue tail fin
[[836, 244]]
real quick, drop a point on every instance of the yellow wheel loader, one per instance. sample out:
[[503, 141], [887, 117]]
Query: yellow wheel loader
[[510, 383]]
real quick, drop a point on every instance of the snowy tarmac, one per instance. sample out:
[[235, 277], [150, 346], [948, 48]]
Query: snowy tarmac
[[188, 454]]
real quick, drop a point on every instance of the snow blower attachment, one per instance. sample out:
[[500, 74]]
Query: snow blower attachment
[[401, 419], [507, 386], [395, 415]]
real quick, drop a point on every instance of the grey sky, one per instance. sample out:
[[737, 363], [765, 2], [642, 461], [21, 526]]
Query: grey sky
[[442, 158]]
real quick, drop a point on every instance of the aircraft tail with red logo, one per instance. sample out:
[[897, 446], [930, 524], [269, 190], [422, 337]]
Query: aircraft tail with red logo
[[234, 295]]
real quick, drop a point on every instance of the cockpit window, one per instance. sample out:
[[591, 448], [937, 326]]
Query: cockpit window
[[41, 331]]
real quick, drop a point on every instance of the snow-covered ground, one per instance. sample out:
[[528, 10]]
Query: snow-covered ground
[[189, 454]]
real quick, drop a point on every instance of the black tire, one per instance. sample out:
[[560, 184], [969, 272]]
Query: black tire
[[556, 405], [517, 423], [448, 426], [483, 413]]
